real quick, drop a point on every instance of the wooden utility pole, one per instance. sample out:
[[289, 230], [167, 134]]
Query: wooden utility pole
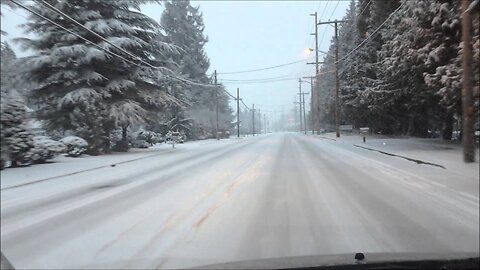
[[300, 102], [312, 105], [337, 86], [337, 105], [295, 113], [216, 104], [315, 92], [238, 112], [316, 44], [468, 110], [259, 122], [265, 123], [316, 87], [253, 117], [304, 115]]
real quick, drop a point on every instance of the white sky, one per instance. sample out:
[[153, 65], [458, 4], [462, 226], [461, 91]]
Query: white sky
[[246, 35]]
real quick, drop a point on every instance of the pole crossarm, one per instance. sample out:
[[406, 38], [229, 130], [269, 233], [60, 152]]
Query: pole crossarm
[[335, 21]]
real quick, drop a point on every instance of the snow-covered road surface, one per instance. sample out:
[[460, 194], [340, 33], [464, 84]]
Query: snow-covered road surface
[[269, 196]]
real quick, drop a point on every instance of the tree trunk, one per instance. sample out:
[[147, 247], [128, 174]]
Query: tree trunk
[[411, 125], [108, 145], [447, 128], [124, 134], [124, 143]]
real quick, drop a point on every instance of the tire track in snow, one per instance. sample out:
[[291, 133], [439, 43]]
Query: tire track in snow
[[83, 192], [32, 236]]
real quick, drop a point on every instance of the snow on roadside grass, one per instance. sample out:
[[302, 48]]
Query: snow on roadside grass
[[62, 165], [445, 153]]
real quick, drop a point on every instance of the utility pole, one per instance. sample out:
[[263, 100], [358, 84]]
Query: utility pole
[[216, 105], [316, 88], [295, 112], [238, 112], [259, 122], [337, 87], [300, 102], [316, 43], [337, 107], [468, 110], [315, 114], [274, 123], [265, 122], [302, 110], [253, 117], [312, 121], [304, 114]]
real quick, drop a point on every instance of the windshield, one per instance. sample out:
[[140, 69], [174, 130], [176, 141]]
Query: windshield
[[175, 134]]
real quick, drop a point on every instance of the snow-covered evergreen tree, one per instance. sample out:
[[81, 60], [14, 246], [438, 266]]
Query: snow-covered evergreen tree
[[15, 137], [407, 79], [394, 99], [183, 25], [360, 69], [422, 43], [350, 90], [443, 58], [84, 89], [326, 86]]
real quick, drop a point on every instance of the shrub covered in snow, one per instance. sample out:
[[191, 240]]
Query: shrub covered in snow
[[116, 140], [140, 144], [150, 137], [44, 149], [75, 145], [16, 139], [178, 137]]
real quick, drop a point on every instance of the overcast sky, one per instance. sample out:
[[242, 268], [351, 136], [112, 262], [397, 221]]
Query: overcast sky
[[245, 35]]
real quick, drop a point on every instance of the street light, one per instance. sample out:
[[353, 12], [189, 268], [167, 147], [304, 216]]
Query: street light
[[311, 100], [310, 49]]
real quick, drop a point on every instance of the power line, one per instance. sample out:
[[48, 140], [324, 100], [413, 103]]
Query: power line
[[360, 14], [103, 49], [263, 79], [266, 68], [372, 34], [255, 82], [331, 15], [233, 97], [324, 9], [334, 9], [245, 104], [107, 41], [71, 32], [44, 3], [277, 80], [365, 8], [87, 40], [273, 105], [108, 51], [11, 10]]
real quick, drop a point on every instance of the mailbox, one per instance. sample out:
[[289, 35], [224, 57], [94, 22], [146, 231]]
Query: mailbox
[[364, 131]]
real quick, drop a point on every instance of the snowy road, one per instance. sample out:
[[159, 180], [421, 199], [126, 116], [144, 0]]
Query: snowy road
[[240, 199]]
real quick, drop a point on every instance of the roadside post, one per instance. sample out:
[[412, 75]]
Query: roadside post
[[364, 131], [174, 136]]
